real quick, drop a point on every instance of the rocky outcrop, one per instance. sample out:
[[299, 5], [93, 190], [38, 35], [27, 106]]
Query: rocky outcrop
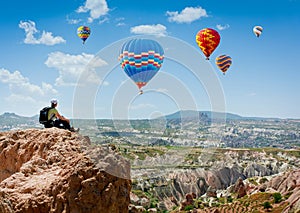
[[239, 188], [287, 184], [54, 170]]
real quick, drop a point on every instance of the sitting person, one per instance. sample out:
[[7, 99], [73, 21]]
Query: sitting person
[[58, 120]]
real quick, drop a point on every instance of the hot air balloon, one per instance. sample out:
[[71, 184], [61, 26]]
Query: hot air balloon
[[257, 30], [223, 62], [83, 32], [208, 40], [141, 59]]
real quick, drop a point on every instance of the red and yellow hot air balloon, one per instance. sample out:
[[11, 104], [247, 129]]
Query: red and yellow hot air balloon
[[208, 39], [223, 62]]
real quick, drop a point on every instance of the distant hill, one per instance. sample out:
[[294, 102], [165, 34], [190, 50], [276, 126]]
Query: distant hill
[[189, 114], [10, 119]]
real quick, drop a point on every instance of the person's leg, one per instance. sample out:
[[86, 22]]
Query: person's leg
[[60, 124], [66, 124]]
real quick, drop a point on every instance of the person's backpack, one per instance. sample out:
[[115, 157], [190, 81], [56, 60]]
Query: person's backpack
[[43, 119]]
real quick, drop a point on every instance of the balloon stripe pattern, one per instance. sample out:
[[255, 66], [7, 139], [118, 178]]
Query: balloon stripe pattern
[[223, 62], [141, 59], [257, 30], [207, 39], [83, 32]]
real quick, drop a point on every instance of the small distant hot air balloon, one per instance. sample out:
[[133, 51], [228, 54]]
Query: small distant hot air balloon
[[141, 59], [223, 62], [83, 32], [207, 39], [257, 30]]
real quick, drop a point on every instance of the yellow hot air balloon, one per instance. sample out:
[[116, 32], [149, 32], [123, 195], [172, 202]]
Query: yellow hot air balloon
[[83, 32]]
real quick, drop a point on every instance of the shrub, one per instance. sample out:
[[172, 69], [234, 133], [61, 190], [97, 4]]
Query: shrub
[[229, 199], [277, 197], [267, 205], [188, 207], [263, 180]]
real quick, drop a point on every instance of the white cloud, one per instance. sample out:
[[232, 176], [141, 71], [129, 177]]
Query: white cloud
[[162, 90], [21, 88], [120, 21], [103, 20], [141, 106], [222, 27], [157, 29], [251, 94], [73, 21], [70, 67], [46, 38], [187, 15], [96, 8], [120, 24]]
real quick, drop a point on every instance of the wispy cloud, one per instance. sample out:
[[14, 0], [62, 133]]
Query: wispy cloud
[[46, 38], [162, 90], [120, 21], [222, 27], [73, 21], [251, 94], [22, 90], [70, 67], [141, 106], [187, 15], [96, 9], [157, 29]]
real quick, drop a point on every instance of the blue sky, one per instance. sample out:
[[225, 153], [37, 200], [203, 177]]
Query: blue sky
[[42, 57]]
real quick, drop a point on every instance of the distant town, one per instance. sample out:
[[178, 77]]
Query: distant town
[[184, 128]]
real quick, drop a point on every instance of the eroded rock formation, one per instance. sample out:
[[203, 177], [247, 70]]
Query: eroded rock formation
[[54, 170]]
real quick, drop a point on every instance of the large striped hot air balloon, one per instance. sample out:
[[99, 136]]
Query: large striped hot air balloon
[[141, 59], [83, 33], [257, 30], [223, 62], [208, 39]]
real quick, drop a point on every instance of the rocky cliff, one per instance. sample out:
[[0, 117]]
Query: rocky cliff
[[54, 170], [281, 193]]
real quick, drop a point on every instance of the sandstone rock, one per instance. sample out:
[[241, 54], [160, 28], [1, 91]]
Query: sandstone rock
[[54, 170], [240, 188], [211, 192], [152, 210], [134, 199], [189, 200], [288, 183], [136, 209]]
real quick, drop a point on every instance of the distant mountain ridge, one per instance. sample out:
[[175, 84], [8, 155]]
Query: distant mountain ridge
[[9, 117], [184, 114]]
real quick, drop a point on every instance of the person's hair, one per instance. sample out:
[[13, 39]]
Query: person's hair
[[53, 105]]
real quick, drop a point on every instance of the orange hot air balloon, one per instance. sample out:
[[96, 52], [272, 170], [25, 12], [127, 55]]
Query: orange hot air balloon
[[223, 62], [208, 39]]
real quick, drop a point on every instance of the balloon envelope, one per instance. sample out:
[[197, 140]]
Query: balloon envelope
[[141, 59], [208, 39], [257, 30], [223, 62], [83, 32]]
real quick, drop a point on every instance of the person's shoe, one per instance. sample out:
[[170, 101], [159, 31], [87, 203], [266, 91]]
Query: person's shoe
[[72, 129]]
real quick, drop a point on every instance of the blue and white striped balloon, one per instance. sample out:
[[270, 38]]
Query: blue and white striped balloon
[[141, 59]]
